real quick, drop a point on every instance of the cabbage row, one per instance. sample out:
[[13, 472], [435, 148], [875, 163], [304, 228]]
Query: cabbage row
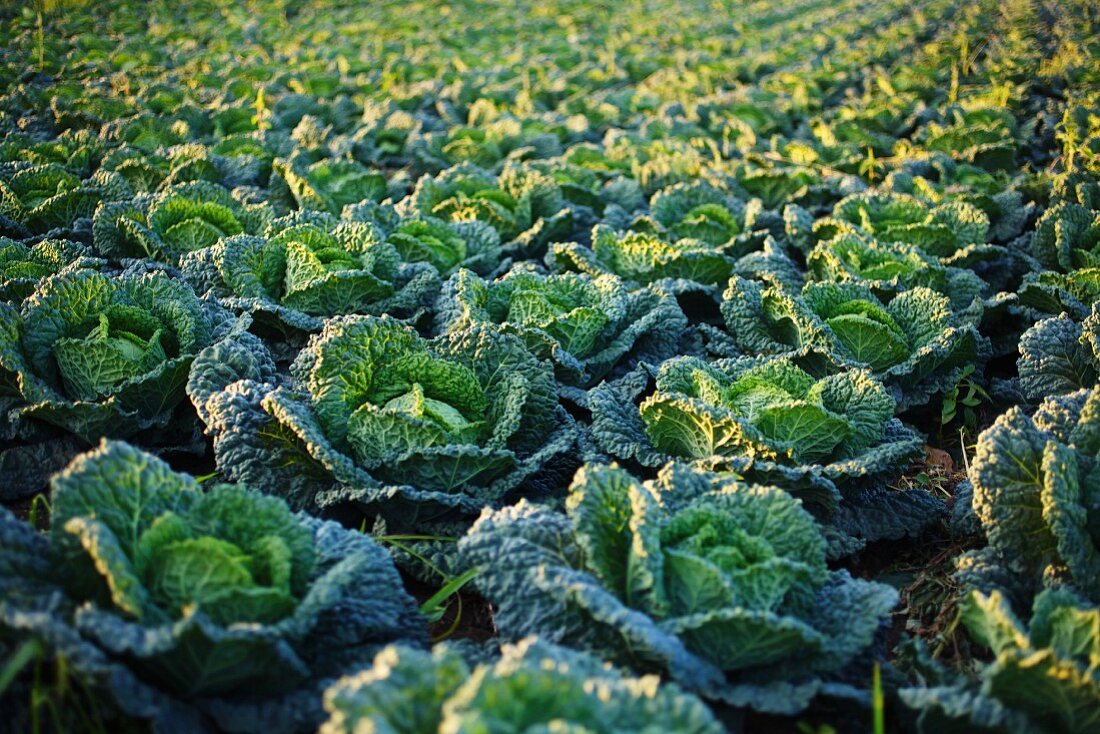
[[563, 367]]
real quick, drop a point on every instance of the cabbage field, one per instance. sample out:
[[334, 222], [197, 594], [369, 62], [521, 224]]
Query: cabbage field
[[558, 367]]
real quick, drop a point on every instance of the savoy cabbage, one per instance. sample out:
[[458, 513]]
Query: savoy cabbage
[[762, 417], [1059, 355], [644, 256], [535, 686], [913, 341], [23, 267], [330, 185], [307, 267], [525, 207], [890, 268], [46, 198], [722, 586], [1067, 235], [1035, 493], [1043, 677], [174, 221], [92, 354], [956, 232], [192, 607], [409, 428], [703, 212], [592, 327]]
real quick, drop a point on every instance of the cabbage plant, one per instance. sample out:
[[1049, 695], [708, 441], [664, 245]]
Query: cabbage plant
[[593, 192], [1043, 678], [409, 428], [534, 687], [724, 590], [524, 206], [96, 355], [645, 257], [1067, 237], [489, 144], [446, 246], [1035, 481], [796, 185], [592, 327], [767, 417], [833, 442], [912, 341], [307, 267], [647, 253], [176, 220], [938, 180], [213, 609], [956, 232], [1048, 293], [1059, 355], [46, 197], [890, 268], [330, 185], [699, 211], [23, 266]]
